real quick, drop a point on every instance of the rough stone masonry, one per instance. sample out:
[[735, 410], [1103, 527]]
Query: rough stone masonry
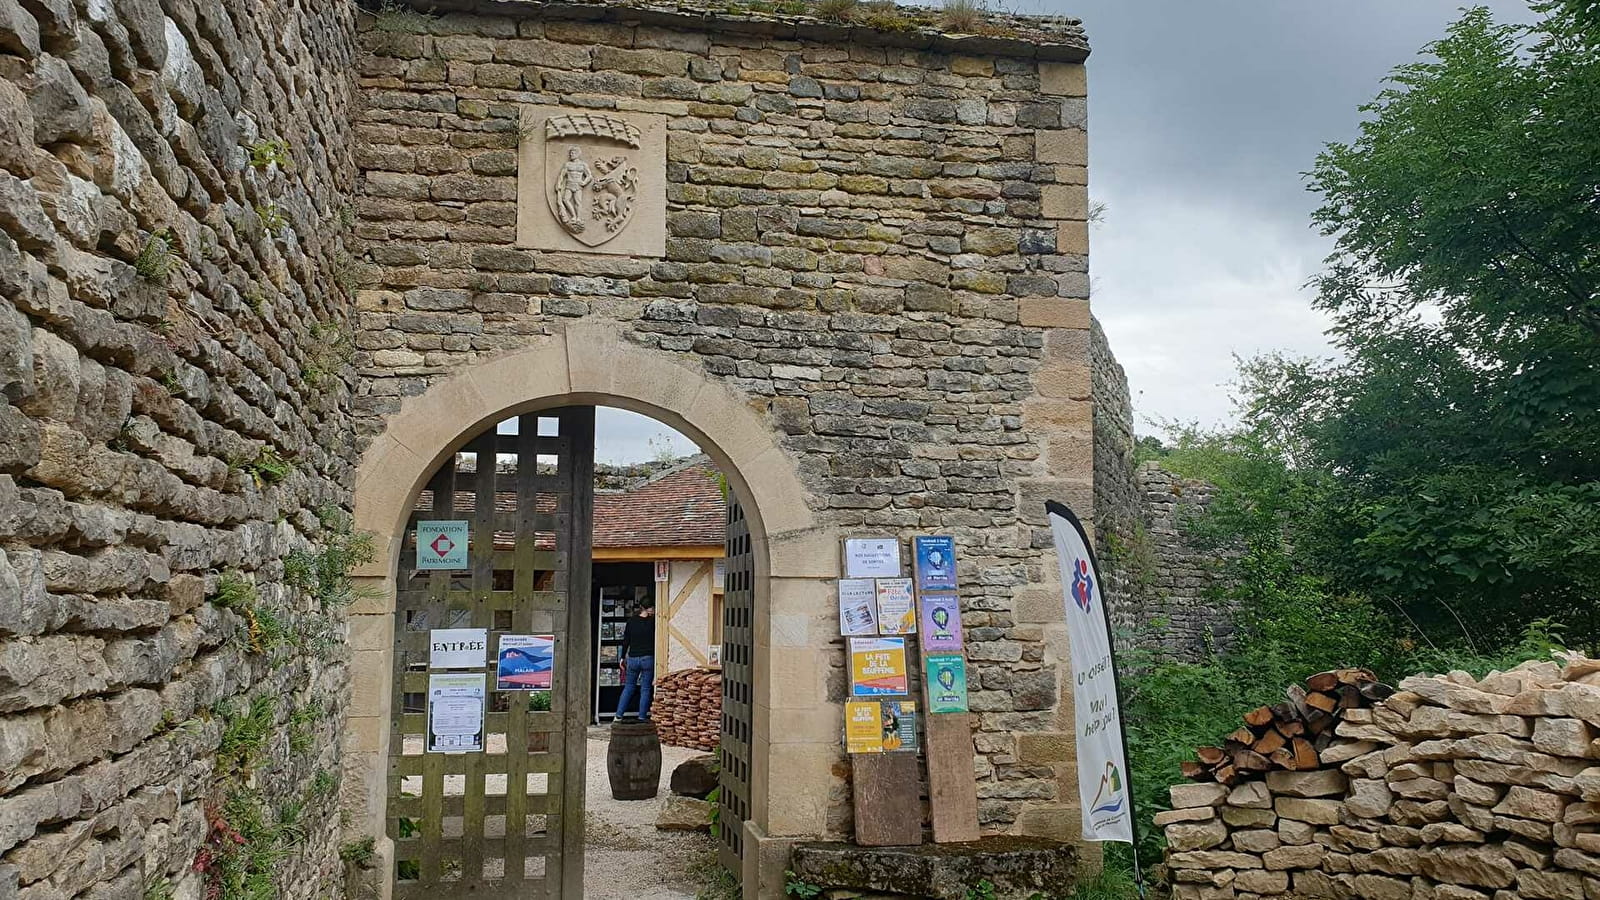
[[879, 239], [1452, 789], [235, 236], [174, 414]]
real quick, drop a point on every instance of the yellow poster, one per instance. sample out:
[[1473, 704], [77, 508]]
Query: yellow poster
[[863, 732], [877, 667]]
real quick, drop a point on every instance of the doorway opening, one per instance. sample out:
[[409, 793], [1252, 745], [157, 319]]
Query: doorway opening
[[659, 541], [519, 567]]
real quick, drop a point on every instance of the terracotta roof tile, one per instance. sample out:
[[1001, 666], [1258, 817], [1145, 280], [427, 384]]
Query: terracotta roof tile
[[680, 507]]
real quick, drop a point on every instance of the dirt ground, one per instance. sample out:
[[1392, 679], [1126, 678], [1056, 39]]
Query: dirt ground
[[626, 858]]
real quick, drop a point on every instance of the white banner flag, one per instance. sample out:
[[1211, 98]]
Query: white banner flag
[[1103, 790]]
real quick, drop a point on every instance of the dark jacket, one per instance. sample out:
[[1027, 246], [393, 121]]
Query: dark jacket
[[639, 637]]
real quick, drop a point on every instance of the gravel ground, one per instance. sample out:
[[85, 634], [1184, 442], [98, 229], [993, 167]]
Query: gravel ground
[[625, 857]]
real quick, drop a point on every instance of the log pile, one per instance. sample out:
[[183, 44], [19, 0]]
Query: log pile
[[687, 708], [1290, 735]]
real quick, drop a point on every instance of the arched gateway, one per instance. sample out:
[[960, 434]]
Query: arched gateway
[[552, 386]]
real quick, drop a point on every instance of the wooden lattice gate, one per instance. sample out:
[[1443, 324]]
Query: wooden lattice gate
[[738, 640], [506, 821]]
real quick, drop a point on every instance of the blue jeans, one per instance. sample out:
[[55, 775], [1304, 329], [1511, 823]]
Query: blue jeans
[[641, 677]]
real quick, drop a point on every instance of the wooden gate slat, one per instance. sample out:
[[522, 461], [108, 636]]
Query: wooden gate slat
[[530, 526]]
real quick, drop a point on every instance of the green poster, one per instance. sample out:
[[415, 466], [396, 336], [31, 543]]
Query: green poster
[[947, 683]]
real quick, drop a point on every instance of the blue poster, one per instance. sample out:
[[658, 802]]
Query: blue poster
[[935, 562]]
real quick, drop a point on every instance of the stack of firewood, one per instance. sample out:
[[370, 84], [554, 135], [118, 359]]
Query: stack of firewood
[[687, 708], [1288, 735]]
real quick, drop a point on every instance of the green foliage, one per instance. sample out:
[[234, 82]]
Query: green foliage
[[234, 591], [398, 16], [325, 573], [964, 16], [331, 349], [272, 218], [886, 15], [323, 785], [245, 733], [714, 810], [170, 382], [302, 725], [794, 887], [270, 152], [160, 889], [837, 10], [539, 701], [1459, 434], [268, 467], [715, 882], [983, 890], [360, 852], [243, 849], [154, 262]]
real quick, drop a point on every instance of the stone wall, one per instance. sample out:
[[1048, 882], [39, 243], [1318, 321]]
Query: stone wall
[[1158, 578], [173, 405], [876, 239], [1452, 789]]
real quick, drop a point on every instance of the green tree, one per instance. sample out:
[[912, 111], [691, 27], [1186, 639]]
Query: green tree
[[1460, 432]]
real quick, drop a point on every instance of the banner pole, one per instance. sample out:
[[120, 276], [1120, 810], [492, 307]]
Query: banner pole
[[1060, 509]]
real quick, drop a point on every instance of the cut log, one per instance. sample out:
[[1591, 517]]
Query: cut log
[[1250, 761], [1269, 742], [1325, 702], [1194, 770], [1243, 736], [1261, 715], [1211, 756], [1323, 681], [1305, 756], [1283, 759]]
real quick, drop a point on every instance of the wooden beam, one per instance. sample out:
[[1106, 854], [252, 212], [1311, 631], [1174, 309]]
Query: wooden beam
[[651, 554], [952, 785], [888, 807]]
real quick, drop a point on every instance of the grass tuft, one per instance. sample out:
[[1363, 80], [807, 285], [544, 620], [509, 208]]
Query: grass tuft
[[963, 16]]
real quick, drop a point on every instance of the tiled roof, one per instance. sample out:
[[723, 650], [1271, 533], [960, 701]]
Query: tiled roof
[[680, 507]]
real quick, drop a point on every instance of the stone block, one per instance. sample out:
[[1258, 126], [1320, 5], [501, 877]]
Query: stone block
[[1315, 812], [1186, 796], [1318, 783], [1063, 79]]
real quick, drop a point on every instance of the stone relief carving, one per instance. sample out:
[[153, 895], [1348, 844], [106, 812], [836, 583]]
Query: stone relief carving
[[592, 176]]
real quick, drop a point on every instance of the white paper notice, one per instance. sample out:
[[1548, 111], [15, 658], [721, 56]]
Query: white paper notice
[[897, 614], [455, 713], [458, 648], [857, 607], [872, 557]]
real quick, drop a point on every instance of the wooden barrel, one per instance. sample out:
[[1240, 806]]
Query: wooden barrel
[[633, 760]]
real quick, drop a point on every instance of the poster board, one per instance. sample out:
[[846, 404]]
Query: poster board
[[858, 607], [455, 712], [878, 667], [526, 662], [946, 683], [442, 544], [871, 557], [941, 623], [458, 648], [897, 608]]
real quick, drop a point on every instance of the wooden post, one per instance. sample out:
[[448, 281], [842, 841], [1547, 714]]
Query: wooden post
[[952, 782], [887, 806]]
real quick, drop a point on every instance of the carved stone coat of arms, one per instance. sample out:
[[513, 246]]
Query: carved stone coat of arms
[[600, 174], [593, 194]]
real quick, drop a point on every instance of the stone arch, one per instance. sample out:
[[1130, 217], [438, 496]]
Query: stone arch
[[594, 364]]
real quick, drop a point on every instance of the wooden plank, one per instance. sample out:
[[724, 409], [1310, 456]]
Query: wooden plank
[[952, 786], [888, 808], [577, 426]]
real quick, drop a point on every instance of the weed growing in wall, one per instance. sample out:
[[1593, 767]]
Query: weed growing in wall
[[964, 16], [360, 852], [244, 844], [272, 218], [325, 573], [268, 467], [245, 733], [302, 725], [154, 262], [271, 152], [400, 17], [837, 10]]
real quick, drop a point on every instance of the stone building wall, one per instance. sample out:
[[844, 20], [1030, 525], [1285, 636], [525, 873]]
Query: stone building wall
[[1452, 789], [1158, 578], [876, 238], [165, 304]]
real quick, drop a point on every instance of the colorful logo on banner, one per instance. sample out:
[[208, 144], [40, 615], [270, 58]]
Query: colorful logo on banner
[[1082, 584], [1110, 797]]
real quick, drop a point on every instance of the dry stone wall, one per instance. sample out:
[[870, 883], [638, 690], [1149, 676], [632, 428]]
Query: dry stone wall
[[882, 246], [173, 405], [1452, 789], [1158, 578]]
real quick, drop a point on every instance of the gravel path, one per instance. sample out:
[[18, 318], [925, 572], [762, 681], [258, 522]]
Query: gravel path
[[625, 857]]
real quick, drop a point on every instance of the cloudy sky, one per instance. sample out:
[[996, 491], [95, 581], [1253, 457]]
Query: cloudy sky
[[1203, 115]]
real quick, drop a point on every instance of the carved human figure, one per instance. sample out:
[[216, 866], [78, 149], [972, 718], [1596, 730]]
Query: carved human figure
[[570, 182]]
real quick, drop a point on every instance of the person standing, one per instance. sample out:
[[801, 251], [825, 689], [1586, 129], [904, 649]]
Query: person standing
[[639, 659]]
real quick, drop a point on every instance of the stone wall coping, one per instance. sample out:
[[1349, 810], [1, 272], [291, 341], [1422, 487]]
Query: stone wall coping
[[1048, 38]]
